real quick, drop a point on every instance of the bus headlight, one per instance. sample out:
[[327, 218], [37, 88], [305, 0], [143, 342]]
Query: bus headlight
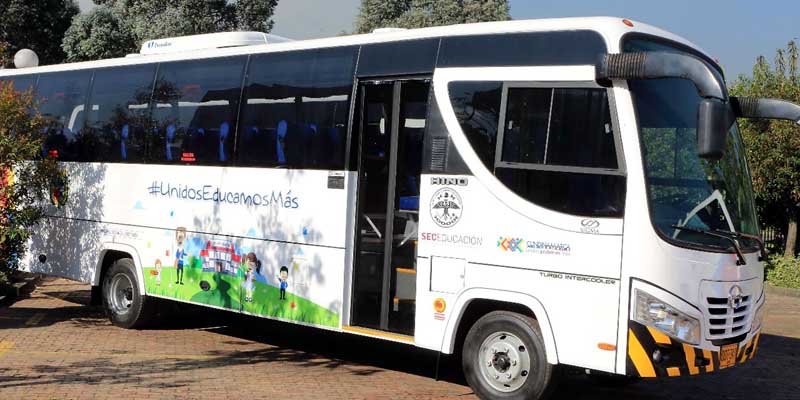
[[758, 317], [651, 311]]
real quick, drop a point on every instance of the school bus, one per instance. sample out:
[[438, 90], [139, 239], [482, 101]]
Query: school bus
[[527, 193]]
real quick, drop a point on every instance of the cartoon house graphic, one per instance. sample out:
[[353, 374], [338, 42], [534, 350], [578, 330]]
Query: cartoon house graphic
[[220, 256]]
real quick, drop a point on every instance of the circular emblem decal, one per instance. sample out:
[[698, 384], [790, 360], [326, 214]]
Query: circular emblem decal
[[439, 305], [446, 207]]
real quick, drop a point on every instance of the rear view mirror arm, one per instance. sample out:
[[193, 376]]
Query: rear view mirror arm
[[663, 65], [750, 107]]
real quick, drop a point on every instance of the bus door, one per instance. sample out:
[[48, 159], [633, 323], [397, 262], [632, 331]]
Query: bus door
[[391, 123]]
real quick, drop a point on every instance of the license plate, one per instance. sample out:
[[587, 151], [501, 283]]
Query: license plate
[[727, 355]]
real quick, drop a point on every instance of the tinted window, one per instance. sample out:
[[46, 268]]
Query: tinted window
[[527, 125], [297, 109], [541, 48], [194, 111], [398, 58], [546, 130], [21, 82], [591, 195], [477, 107], [119, 113], [569, 127], [62, 102]]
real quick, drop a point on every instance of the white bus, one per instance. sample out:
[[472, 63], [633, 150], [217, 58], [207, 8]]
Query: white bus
[[527, 193]]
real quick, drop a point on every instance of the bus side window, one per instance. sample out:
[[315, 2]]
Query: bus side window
[[62, 102], [118, 113], [195, 105], [477, 107], [560, 139], [21, 83], [297, 108]]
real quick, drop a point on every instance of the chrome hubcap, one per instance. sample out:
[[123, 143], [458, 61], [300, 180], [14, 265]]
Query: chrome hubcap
[[505, 361], [121, 294]]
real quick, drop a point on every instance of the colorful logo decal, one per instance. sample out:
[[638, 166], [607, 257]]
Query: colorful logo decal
[[518, 245], [510, 244], [551, 248], [439, 305], [446, 207]]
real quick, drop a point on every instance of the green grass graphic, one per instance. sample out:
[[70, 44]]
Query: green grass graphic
[[227, 292]]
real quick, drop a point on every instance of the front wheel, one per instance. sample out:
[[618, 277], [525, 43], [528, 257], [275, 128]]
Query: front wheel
[[124, 304], [504, 358]]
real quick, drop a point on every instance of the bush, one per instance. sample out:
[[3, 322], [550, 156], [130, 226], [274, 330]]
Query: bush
[[783, 272], [28, 179]]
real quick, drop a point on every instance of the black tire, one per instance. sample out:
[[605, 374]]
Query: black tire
[[538, 380], [137, 309]]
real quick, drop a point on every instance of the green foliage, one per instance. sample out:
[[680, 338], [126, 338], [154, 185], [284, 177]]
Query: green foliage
[[773, 147], [37, 25], [98, 34], [25, 176], [117, 27], [783, 272], [5, 58], [422, 13]]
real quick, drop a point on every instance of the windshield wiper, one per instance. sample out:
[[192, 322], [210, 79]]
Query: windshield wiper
[[762, 249], [739, 256]]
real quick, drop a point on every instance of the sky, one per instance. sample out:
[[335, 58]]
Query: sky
[[733, 31]]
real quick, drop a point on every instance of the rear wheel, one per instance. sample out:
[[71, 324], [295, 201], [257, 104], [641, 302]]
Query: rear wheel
[[504, 358], [124, 304]]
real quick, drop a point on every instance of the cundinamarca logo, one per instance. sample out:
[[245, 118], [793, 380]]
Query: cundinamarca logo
[[519, 245], [510, 244]]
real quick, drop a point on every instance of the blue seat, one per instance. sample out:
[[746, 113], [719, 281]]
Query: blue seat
[[124, 134], [281, 133], [223, 135], [170, 138]]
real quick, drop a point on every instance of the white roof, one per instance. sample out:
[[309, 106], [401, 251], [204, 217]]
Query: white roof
[[208, 41], [611, 28]]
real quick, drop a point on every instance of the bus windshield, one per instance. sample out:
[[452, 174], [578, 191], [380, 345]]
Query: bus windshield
[[683, 189]]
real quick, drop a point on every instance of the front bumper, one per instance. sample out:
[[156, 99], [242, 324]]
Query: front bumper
[[653, 354]]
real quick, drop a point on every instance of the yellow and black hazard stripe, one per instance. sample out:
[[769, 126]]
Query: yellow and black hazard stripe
[[653, 354]]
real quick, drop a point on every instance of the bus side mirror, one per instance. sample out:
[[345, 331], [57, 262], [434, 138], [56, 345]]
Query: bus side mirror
[[749, 107], [714, 119]]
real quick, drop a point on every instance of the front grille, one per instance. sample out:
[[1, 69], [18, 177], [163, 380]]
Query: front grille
[[724, 320]]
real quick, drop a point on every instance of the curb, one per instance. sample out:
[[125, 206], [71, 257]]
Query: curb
[[782, 291], [25, 283]]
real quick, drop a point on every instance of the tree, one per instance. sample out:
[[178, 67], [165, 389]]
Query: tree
[[773, 147], [421, 13], [98, 34], [37, 25], [135, 21], [27, 179]]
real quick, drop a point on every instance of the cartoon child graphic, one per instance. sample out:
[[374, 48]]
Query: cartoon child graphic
[[283, 278], [251, 266], [180, 254], [158, 272]]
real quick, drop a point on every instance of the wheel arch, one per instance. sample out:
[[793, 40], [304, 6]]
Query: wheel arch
[[110, 253], [474, 303]]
